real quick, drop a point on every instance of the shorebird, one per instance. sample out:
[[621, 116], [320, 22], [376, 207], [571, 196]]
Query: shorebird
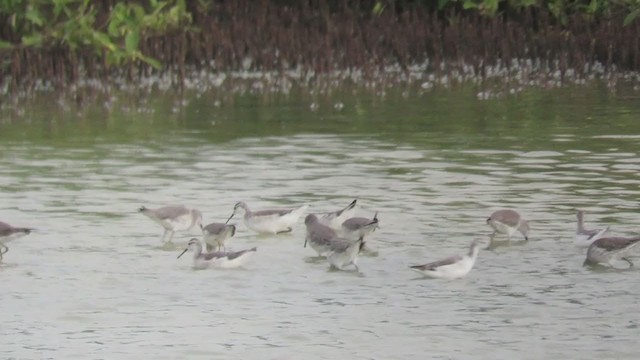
[[508, 222], [453, 267], [221, 259], [215, 234], [585, 237], [319, 235], [272, 221], [359, 227], [610, 249], [343, 252], [335, 219], [173, 218], [8, 233]]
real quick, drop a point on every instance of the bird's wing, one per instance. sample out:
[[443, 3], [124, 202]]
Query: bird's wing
[[615, 243], [436, 264], [171, 212]]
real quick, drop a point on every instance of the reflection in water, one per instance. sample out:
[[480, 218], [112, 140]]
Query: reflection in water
[[93, 281]]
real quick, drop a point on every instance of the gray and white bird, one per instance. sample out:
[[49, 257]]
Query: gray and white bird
[[344, 252], [219, 259], [340, 252], [359, 227], [272, 221], [452, 267], [508, 222], [585, 237], [335, 219], [606, 251], [173, 218], [216, 235], [319, 236], [9, 233]]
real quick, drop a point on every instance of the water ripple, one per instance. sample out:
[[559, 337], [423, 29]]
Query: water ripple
[[96, 279]]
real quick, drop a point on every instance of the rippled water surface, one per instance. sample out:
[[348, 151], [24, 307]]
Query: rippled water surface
[[95, 282]]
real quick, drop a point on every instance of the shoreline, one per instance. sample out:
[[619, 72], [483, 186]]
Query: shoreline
[[317, 43], [492, 81]]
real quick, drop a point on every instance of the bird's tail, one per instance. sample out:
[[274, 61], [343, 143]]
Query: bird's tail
[[24, 230], [361, 245], [350, 206]]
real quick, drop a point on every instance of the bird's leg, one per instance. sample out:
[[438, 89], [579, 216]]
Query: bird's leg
[[164, 235], [6, 250], [491, 239], [627, 260], [171, 237]]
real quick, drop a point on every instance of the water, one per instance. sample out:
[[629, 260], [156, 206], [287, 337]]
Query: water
[[94, 282]]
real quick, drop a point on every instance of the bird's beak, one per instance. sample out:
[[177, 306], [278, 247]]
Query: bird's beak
[[182, 253], [305, 242], [226, 222]]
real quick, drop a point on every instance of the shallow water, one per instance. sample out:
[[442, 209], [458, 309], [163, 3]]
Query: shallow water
[[94, 281]]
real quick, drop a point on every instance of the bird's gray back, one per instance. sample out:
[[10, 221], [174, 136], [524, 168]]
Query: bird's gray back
[[436, 264], [279, 212], [230, 255], [216, 228], [320, 233], [170, 212], [507, 217], [614, 243], [356, 223]]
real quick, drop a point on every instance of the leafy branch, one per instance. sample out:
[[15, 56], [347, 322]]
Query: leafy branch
[[76, 24]]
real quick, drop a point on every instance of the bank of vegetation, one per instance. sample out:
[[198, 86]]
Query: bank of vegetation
[[62, 42]]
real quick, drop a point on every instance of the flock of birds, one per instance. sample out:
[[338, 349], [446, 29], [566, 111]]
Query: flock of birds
[[339, 236]]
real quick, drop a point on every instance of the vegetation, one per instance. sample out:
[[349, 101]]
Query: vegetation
[[63, 40], [79, 25]]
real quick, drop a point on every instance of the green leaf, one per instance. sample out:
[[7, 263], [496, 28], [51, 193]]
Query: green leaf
[[593, 7], [5, 45], [131, 41], [151, 61], [468, 4], [631, 17], [182, 5], [442, 3], [138, 12], [34, 16], [104, 40], [491, 6], [527, 3], [32, 40], [378, 8]]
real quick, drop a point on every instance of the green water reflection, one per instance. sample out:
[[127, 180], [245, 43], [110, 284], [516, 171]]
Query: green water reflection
[[454, 118]]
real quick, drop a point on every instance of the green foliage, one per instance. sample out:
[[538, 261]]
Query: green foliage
[[560, 9], [76, 24], [634, 12], [378, 8], [485, 7]]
